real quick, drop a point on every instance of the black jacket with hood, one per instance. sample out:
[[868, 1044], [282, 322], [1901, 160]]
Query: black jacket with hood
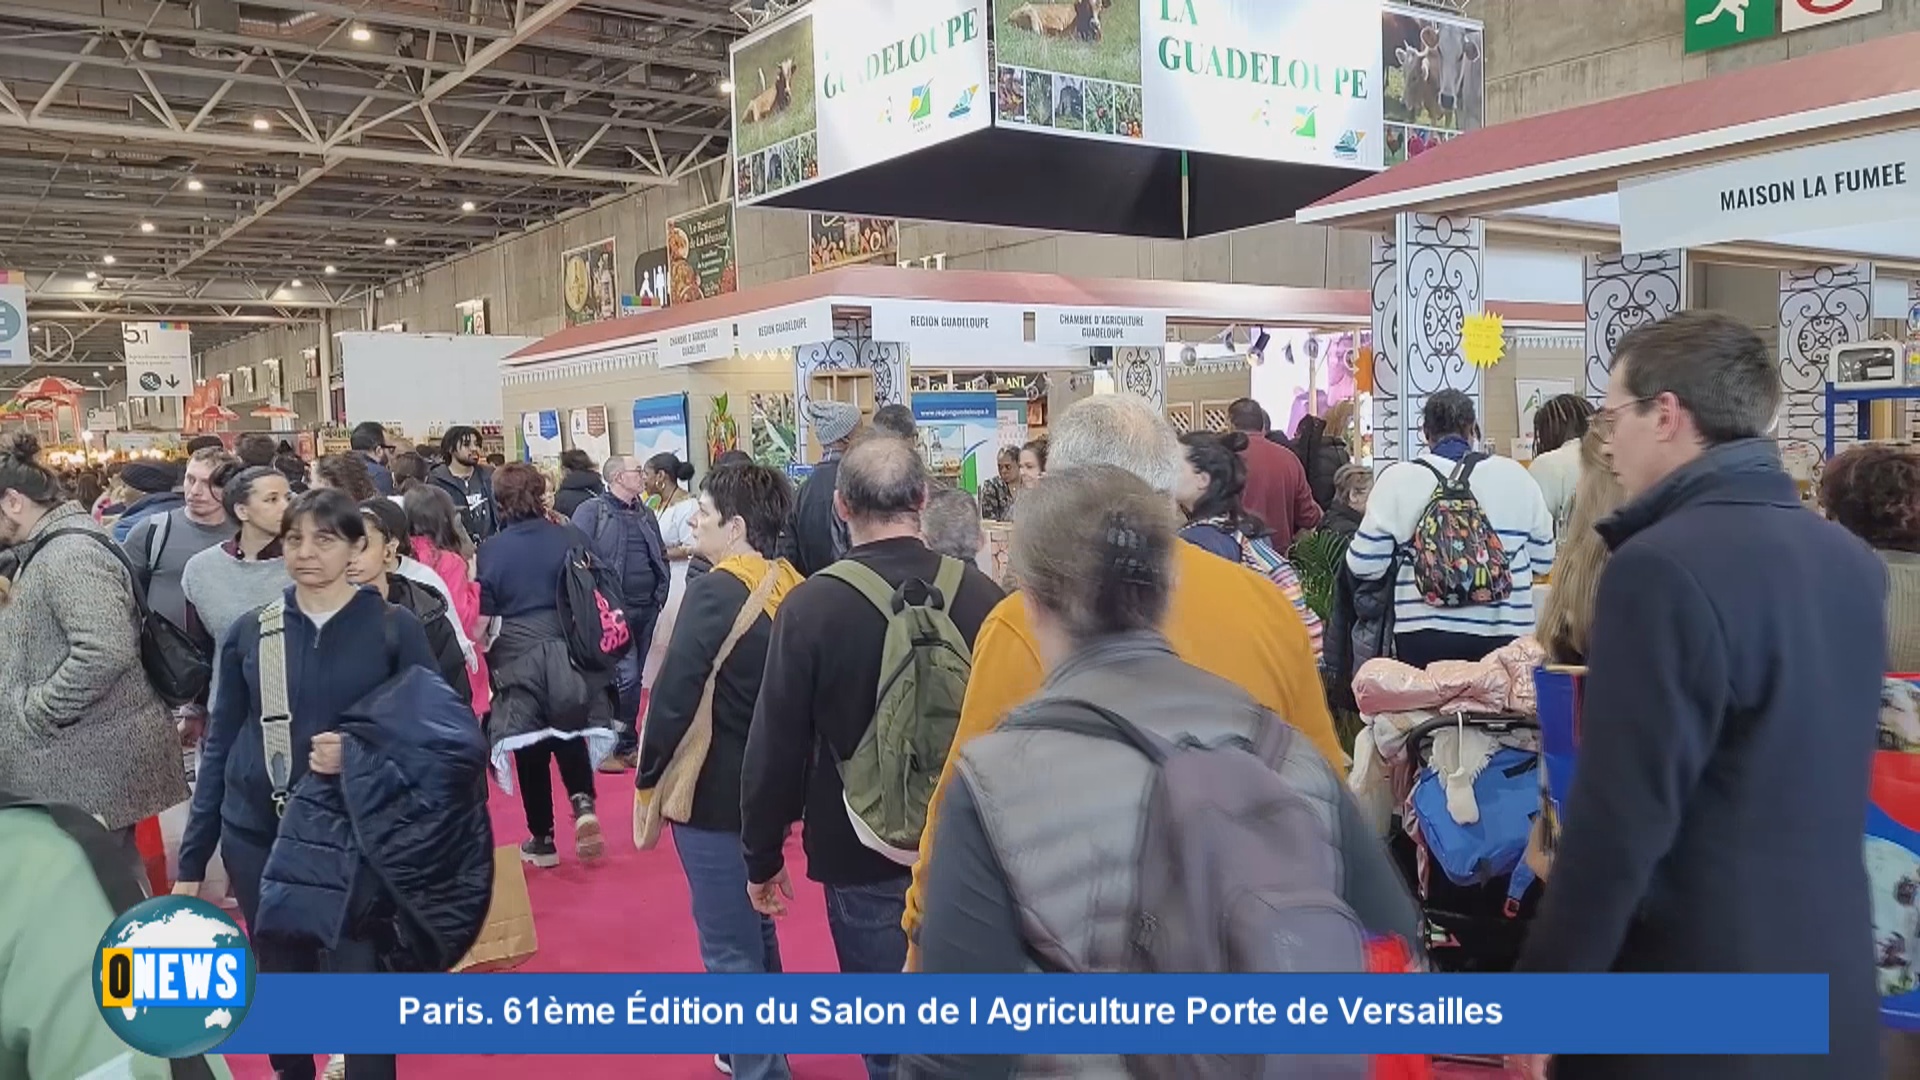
[[576, 487], [478, 514], [431, 608]]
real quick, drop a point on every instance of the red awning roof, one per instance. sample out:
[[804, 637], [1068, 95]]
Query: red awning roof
[[1195, 301], [1586, 150]]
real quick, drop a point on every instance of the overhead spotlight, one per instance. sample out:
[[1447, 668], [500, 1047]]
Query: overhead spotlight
[[151, 49], [726, 86], [361, 34], [146, 226], [108, 259], [467, 207], [93, 275], [296, 283], [391, 242], [330, 269], [195, 185], [260, 123]]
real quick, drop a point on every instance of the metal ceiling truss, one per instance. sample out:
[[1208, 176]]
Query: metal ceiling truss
[[221, 152]]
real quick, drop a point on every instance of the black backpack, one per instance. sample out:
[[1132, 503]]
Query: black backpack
[[179, 667], [590, 612], [123, 890]]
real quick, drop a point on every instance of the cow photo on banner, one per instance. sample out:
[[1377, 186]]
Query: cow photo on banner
[[587, 283], [775, 139], [1436, 79]]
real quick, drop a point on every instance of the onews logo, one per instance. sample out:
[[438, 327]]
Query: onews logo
[[174, 976]]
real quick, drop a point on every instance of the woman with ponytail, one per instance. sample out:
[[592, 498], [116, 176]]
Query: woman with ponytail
[[1036, 859], [79, 721]]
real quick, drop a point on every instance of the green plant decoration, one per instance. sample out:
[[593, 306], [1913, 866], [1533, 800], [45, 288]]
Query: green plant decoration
[[1316, 558]]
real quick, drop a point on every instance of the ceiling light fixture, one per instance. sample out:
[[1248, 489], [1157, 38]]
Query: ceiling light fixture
[[330, 269], [467, 207], [361, 34], [296, 283], [195, 185], [260, 123], [391, 242], [726, 86], [93, 275], [108, 259], [146, 226]]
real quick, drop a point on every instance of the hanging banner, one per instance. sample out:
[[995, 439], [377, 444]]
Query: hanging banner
[[1098, 326], [590, 433], [700, 254], [697, 343], [14, 351], [649, 283], [586, 283], [842, 86], [660, 427], [959, 434], [159, 358], [1435, 80], [844, 240], [786, 327], [541, 433], [1871, 179], [941, 324]]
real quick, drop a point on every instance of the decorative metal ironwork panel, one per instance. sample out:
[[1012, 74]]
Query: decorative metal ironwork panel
[[1181, 417], [1439, 269], [1819, 308], [1389, 421], [1142, 371], [1625, 291], [852, 348]]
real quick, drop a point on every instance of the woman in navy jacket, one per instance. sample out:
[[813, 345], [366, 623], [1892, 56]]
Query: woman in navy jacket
[[342, 643]]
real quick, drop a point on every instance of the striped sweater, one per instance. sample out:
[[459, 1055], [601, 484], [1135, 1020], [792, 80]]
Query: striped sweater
[[1514, 506]]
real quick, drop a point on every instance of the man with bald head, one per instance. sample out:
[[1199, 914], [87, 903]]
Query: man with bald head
[[817, 701]]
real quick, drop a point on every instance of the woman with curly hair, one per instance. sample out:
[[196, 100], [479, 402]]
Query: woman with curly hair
[[1874, 491]]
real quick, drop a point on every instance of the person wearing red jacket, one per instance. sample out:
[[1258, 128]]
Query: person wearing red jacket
[[1277, 489]]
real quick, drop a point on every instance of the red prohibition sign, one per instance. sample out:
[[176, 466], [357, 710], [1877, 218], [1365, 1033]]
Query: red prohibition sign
[[1823, 7]]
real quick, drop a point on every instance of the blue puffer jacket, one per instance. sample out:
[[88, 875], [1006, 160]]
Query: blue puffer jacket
[[398, 849]]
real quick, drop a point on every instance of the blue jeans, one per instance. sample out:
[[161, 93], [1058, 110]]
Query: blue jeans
[[868, 938], [627, 680], [734, 938]]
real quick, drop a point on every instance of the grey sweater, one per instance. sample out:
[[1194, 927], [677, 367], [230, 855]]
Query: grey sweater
[[79, 722], [221, 588]]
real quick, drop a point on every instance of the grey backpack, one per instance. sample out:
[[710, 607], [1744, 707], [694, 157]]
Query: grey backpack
[[1239, 874]]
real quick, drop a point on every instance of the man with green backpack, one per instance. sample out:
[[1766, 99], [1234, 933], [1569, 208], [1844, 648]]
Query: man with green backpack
[[866, 670]]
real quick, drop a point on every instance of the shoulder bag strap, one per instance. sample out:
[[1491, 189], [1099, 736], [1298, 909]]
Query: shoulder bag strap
[[673, 797], [947, 581], [866, 579], [119, 554], [276, 716], [157, 538]]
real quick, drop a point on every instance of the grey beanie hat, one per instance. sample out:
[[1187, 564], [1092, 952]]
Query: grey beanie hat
[[832, 421]]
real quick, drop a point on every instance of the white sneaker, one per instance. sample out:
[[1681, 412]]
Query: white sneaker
[[336, 1068], [723, 1063]]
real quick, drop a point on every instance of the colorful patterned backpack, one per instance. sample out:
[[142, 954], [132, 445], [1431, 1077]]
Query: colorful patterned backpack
[[1457, 557]]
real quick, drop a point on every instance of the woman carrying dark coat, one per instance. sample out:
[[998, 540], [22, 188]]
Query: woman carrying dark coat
[[543, 708], [579, 482]]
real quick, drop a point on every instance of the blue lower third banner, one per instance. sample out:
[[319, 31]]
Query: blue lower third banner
[[1034, 1014]]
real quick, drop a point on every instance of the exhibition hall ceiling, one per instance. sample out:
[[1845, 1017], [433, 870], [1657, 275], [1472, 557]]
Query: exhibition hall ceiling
[[238, 165]]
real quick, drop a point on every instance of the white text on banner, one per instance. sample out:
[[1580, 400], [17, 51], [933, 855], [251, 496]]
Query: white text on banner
[[786, 327], [1861, 181], [1098, 326], [697, 344], [159, 359], [933, 322]]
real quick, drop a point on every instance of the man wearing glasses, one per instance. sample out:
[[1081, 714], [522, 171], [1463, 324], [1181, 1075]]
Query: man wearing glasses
[[1732, 701], [625, 535]]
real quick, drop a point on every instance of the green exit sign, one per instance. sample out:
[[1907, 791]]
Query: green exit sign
[[1716, 24]]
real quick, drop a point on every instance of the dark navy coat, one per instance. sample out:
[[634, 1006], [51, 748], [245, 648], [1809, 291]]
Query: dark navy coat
[[1716, 818]]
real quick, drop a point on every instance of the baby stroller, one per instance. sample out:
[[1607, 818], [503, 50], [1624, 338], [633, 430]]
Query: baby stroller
[[1474, 888]]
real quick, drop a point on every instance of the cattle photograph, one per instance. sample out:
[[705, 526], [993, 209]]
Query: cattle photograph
[[1091, 39], [773, 82], [1436, 72]]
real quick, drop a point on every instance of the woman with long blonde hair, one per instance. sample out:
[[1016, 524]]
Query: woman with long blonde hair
[[1568, 614]]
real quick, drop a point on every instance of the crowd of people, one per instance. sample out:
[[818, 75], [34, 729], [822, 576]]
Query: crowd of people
[[987, 814]]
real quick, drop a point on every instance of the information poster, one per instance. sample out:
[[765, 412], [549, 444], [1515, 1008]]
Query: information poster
[[649, 282], [540, 431], [587, 283], [1530, 394], [775, 431], [1012, 421], [700, 254], [845, 240], [1435, 80], [660, 427], [959, 434], [471, 316], [842, 86], [1279, 80], [590, 433], [13, 319], [160, 359]]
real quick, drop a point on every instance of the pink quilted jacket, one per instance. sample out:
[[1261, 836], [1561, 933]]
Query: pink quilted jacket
[[466, 607]]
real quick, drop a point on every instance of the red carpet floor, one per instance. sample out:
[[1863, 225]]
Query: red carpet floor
[[629, 912]]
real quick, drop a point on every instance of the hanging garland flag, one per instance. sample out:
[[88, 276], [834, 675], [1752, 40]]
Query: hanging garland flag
[[1483, 339]]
